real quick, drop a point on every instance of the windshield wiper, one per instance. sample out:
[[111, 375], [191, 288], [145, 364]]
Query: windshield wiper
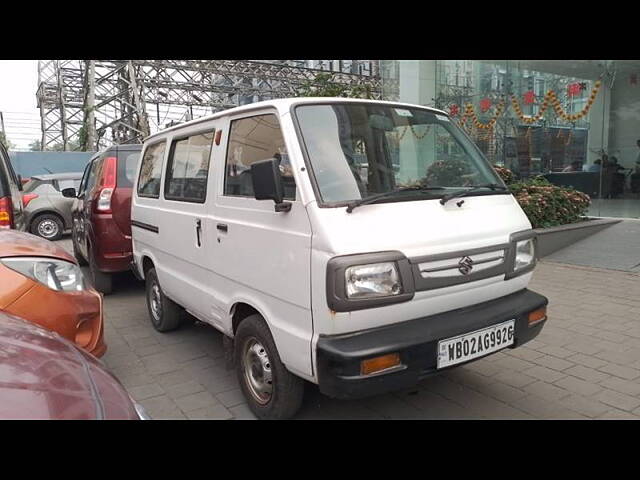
[[390, 193], [473, 188]]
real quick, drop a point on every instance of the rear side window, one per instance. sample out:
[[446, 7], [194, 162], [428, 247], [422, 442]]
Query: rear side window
[[188, 168], [60, 185], [151, 171], [127, 168], [31, 185], [91, 180]]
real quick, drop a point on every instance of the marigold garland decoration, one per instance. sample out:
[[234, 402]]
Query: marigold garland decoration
[[551, 98], [470, 113]]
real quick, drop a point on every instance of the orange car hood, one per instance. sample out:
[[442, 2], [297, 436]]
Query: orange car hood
[[21, 244]]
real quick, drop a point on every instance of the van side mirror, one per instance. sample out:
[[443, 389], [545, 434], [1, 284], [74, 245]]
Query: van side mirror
[[69, 192], [267, 183]]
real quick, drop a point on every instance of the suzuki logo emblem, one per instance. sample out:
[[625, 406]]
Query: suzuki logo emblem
[[465, 265]]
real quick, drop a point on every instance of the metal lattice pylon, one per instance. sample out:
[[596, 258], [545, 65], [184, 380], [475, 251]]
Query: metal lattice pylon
[[90, 104]]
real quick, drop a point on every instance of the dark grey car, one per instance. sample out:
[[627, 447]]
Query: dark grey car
[[47, 212]]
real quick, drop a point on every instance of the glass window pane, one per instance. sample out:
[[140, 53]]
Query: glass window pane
[[251, 140], [151, 171], [189, 168]]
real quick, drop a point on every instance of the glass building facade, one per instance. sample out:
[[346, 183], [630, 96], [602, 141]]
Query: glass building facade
[[576, 122]]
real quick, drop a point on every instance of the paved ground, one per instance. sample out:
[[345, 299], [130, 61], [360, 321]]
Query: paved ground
[[617, 247], [585, 363]]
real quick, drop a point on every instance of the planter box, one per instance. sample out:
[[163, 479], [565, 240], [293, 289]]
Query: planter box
[[553, 239]]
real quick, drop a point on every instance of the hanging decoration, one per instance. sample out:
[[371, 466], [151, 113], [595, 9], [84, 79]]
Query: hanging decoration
[[470, 113], [573, 89], [485, 104], [454, 110], [416, 134], [529, 97], [555, 102], [551, 98]]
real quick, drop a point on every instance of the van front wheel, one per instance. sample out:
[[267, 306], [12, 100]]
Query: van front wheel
[[272, 392], [165, 314]]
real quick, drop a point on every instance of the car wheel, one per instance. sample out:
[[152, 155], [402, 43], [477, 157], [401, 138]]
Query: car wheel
[[102, 282], [165, 314], [47, 226], [76, 253], [272, 392]]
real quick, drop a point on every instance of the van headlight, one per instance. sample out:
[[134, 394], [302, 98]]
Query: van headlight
[[525, 254], [375, 280], [368, 280], [55, 274]]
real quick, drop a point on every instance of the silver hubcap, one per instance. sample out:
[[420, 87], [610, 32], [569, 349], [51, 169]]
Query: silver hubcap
[[257, 371], [48, 228], [155, 301]]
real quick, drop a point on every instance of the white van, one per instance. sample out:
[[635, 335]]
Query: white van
[[359, 245]]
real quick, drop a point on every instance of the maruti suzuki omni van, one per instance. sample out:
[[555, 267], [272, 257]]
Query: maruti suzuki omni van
[[358, 245]]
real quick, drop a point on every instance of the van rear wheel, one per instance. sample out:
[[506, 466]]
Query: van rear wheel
[[272, 392], [165, 314]]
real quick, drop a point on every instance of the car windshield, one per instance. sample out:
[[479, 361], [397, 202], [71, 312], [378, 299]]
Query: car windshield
[[357, 150]]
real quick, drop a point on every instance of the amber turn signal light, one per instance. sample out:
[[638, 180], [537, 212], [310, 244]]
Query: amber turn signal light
[[377, 364], [537, 316]]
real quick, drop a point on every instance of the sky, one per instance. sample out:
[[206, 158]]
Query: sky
[[18, 85]]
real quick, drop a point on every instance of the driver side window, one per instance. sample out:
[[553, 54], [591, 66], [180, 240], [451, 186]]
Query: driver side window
[[253, 139]]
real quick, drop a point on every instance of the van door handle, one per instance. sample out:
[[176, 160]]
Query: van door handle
[[198, 230], [223, 227]]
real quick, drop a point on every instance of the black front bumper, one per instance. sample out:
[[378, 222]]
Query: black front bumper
[[339, 356]]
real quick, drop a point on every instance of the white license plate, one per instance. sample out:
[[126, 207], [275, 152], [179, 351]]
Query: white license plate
[[475, 344]]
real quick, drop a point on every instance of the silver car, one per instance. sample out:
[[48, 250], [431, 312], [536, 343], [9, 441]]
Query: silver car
[[47, 212]]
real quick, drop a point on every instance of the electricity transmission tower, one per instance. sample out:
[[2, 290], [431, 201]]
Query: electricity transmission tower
[[91, 104]]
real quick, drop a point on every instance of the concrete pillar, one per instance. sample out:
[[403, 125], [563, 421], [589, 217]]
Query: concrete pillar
[[417, 85], [417, 81]]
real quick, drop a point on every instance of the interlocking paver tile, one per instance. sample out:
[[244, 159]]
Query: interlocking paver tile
[[586, 373], [543, 373], [142, 392], [195, 401], [553, 363], [622, 386], [579, 386], [546, 390], [627, 373], [618, 400]]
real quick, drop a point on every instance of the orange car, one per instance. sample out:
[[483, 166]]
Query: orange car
[[42, 283]]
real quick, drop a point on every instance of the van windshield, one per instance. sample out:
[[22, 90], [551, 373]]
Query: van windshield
[[357, 150]]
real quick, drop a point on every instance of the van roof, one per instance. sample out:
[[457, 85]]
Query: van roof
[[284, 104]]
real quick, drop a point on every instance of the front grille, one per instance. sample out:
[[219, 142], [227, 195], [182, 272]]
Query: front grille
[[453, 268]]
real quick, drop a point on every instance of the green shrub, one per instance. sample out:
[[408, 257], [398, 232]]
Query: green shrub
[[447, 172], [505, 174], [548, 205]]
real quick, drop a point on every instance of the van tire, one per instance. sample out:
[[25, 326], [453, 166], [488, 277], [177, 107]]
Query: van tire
[[102, 282], [47, 226], [287, 390], [169, 315]]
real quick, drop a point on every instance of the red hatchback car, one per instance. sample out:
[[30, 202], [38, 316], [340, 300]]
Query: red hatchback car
[[45, 377], [101, 214]]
